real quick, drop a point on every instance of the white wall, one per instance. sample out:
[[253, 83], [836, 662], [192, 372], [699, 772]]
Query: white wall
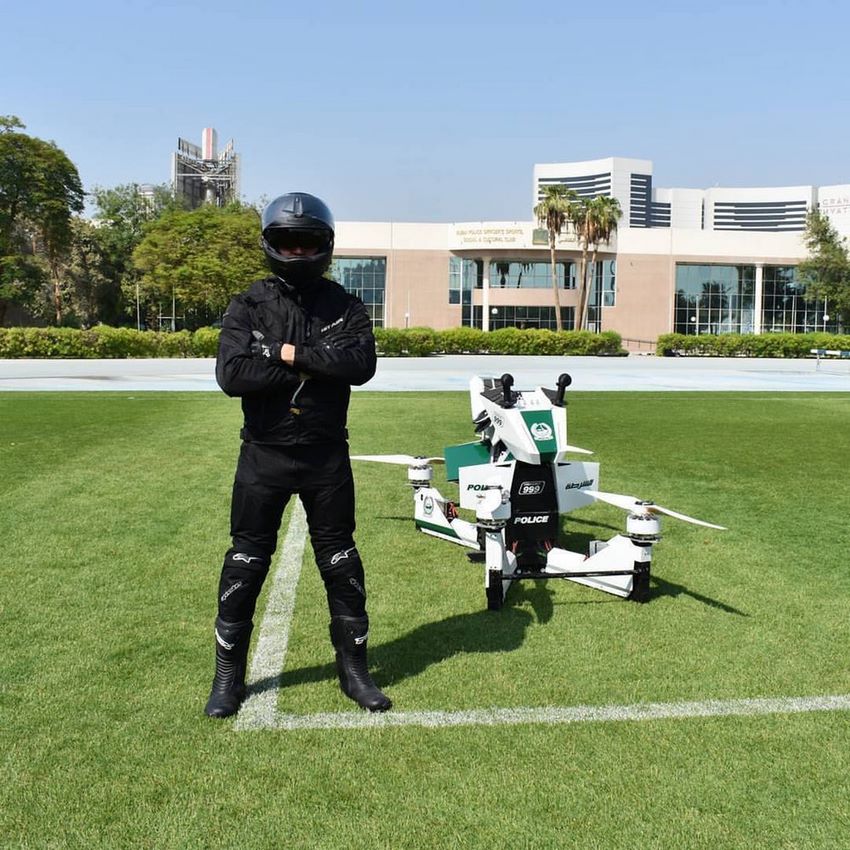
[[726, 244], [755, 194], [685, 206], [389, 235], [834, 201]]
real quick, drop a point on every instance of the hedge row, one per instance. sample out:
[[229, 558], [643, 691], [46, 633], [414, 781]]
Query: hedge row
[[106, 342], [750, 345], [420, 342]]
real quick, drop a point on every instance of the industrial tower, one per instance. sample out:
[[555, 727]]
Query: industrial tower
[[202, 175]]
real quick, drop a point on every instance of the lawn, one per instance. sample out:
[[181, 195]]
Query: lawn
[[114, 513]]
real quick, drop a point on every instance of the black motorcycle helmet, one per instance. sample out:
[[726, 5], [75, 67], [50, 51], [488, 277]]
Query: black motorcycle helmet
[[298, 238]]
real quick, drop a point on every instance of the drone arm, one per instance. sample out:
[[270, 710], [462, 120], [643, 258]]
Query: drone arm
[[432, 517]]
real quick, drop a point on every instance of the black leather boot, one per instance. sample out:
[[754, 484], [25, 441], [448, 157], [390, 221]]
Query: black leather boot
[[348, 635], [231, 655]]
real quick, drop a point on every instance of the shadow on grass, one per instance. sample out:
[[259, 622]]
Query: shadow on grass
[[477, 632], [660, 587], [580, 542], [432, 643]]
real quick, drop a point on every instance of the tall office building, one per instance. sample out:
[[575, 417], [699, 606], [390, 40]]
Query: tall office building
[[779, 209]]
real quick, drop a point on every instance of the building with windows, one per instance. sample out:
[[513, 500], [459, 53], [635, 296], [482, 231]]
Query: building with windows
[[687, 260]]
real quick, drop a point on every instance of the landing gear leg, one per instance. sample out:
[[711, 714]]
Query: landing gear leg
[[493, 588], [640, 583]]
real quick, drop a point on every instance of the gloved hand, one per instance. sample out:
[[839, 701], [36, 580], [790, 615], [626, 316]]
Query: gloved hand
[[266, 349]]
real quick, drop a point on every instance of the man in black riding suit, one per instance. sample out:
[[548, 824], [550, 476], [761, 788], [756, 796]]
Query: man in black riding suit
[[291, 347]]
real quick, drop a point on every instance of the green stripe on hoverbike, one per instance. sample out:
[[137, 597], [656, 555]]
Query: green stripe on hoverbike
[[442, 529], [542, 429]]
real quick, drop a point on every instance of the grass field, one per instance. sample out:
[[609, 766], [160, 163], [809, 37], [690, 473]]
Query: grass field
[[114, 517]]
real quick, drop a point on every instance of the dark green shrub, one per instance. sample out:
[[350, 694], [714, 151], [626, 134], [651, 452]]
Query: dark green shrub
[[389, 342], [506, 341], [419, 342], [460, 340], [43, 342], [409, 342], [103, 341], [177, 344], [123, 342], [205, 342], [589, 343], [750, 345]]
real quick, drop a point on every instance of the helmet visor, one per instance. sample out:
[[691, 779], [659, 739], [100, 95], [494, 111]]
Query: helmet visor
[[285, 240]]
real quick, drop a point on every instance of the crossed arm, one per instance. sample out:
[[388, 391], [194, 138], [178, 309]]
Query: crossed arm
[[249, 363]]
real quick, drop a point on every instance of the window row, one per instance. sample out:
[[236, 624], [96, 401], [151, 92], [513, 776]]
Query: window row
[[365, 277], [521, 316], [721, 299]]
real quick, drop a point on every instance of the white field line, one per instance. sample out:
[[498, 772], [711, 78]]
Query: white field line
[[259, 711], [556, 715]]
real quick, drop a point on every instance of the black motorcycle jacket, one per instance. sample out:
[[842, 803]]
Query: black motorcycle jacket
[[334, 348]]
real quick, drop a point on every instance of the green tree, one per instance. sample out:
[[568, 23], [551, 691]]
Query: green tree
[[202, 258], [553, 213], [40, 188], [600, 219], [825, 272], [122, 213], [88, 284]]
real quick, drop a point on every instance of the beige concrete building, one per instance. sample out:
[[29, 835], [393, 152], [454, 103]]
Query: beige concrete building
[[685, 260]]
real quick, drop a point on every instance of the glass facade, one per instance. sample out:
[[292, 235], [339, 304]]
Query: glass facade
[[784, 309], [714, 299], [521, 316], [602, 282], [523, 274], [464, 276], [709, 299], [365, 277]]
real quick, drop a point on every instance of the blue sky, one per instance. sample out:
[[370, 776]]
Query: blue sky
[[435, 111]]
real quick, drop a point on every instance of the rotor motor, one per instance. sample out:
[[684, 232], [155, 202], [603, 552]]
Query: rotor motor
[[642, 526], [420, 476]]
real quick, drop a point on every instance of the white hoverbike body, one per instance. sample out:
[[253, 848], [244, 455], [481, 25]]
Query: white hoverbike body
[[518, 477]]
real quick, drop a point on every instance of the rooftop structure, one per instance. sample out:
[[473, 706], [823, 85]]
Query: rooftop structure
[[202, 175]]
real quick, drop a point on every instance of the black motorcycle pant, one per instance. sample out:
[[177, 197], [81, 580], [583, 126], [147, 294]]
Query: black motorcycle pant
[[267, 476]]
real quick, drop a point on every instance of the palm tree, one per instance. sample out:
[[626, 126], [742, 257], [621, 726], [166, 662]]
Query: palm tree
[[595, 221], [581, 221], [603, 216], [553, 213]]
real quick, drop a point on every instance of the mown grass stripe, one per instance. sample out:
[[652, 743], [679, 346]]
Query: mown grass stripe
[[260, 708], [556, 715]]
